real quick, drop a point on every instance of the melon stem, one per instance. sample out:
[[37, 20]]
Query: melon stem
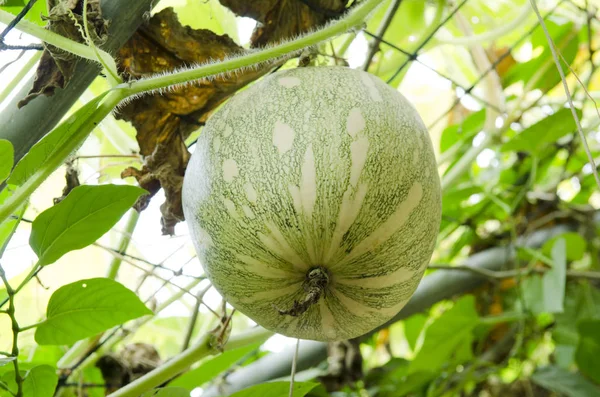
[[314, 285]]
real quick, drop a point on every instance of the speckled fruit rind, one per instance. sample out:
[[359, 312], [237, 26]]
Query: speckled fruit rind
[[312, 167]]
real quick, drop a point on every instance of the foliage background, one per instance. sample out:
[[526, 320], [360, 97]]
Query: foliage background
[[533, 326]]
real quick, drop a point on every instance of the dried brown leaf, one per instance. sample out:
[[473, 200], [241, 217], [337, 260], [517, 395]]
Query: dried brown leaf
[[56, 66], [71, 181], [283, 19], [164, 121]]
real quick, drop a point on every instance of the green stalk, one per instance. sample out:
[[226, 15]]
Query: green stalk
[[341, 51], [115, 264], [355, 18], [15, 332], [508, 317], [24, 191], [20, 75], [80, 348], [180, 363], [23, 283], [59, 41], [28, 327]]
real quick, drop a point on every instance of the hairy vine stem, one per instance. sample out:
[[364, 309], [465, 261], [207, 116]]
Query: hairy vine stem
[[354, 18]]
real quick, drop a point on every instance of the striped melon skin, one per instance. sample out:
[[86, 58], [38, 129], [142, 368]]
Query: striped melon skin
[[323, 167]]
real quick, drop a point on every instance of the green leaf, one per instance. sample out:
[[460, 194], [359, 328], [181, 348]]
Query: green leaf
[[468, 128], [388, 375], [8, 379], [7, 158], [556, 278], [464, 351], [47, 147], [543, 133], [545, 293], [80, 219], [413, 326], [93, 375], [86, 308], [576, 245], [582, 302], [40, 381], [168, 392], [210, 369], [276, 389], [541, 71], [445, 335], [587, 355], [564, 355], [34, 14], [565, 382], [49, 355], [455, 201], [318, 391], [7, 371], [413, 382]]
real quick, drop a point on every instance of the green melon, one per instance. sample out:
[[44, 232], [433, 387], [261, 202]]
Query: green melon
[[314, 203]]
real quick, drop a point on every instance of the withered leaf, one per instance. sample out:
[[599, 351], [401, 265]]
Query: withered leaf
[[164, 121], [56, 66], [281, 19], [71, 179], [132, 362]]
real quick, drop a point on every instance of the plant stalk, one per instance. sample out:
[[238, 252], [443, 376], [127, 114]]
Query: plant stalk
[[125, 239], [184, 360], [15, 332], [27, 278]]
